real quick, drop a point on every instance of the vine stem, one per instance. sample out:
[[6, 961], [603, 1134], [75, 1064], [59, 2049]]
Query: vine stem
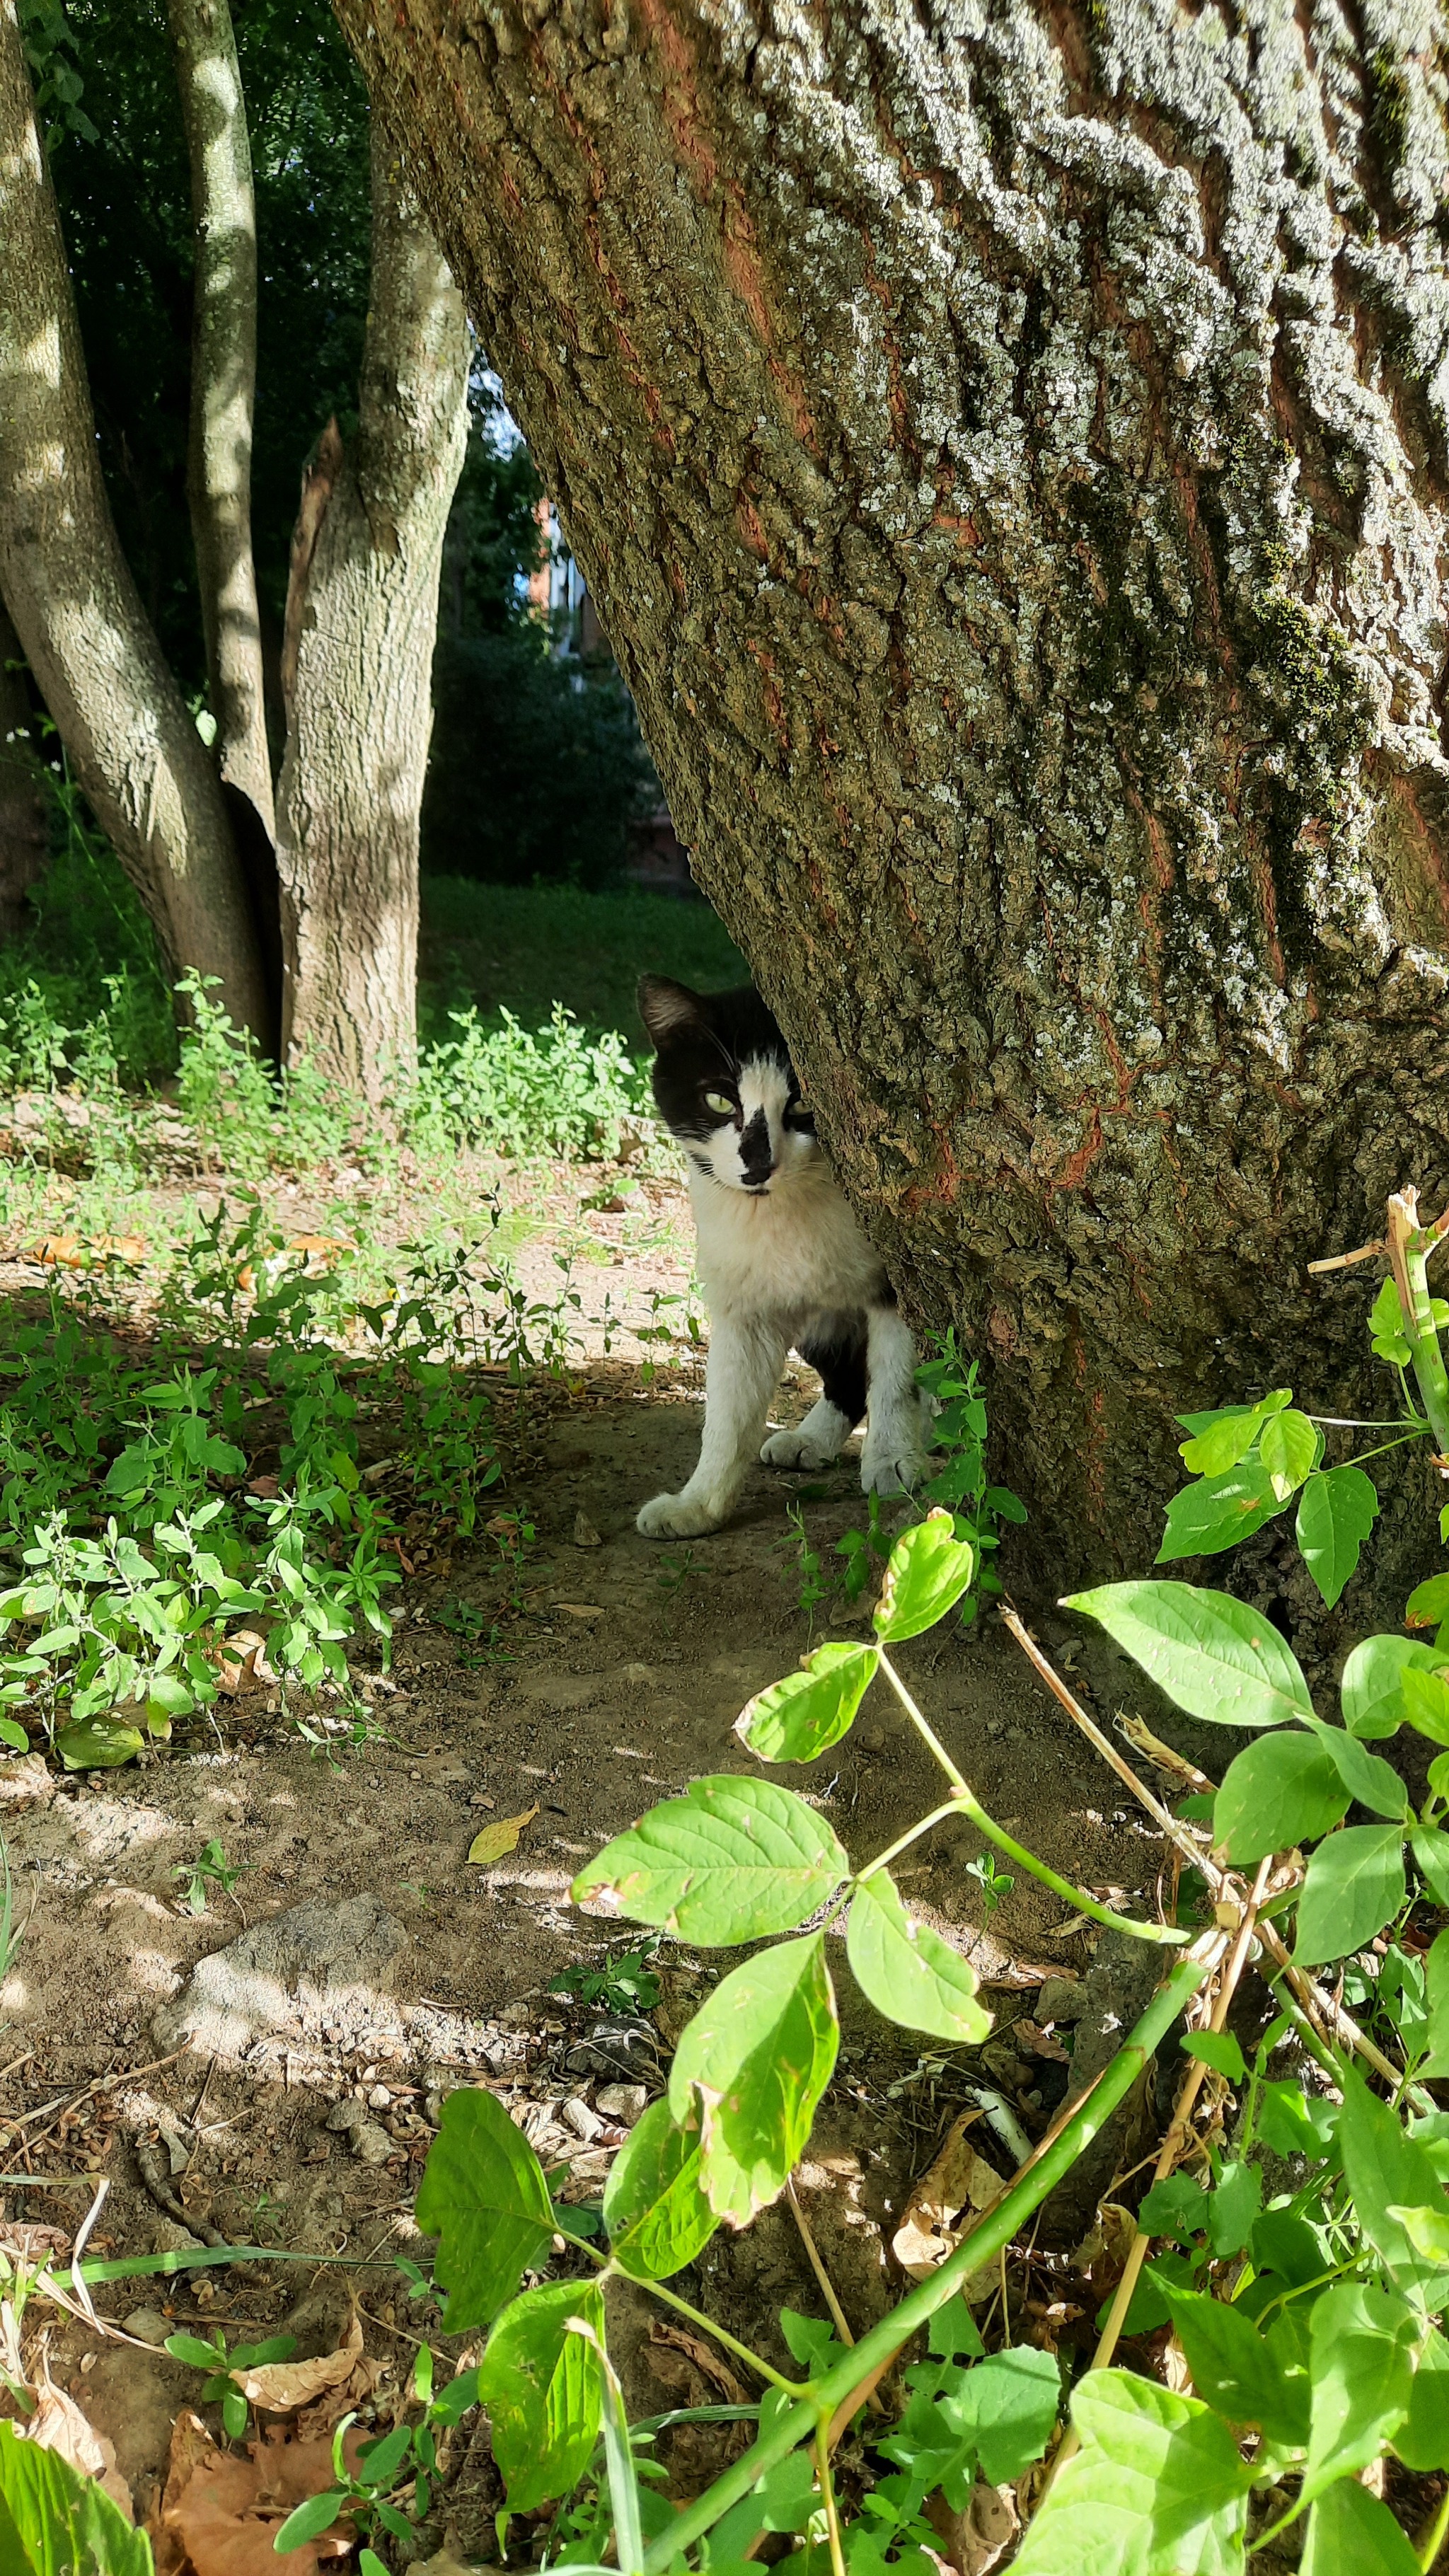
[[1428, 2555], [827, 2490], [841, 2390], [1172, 2146], [968, 1804]]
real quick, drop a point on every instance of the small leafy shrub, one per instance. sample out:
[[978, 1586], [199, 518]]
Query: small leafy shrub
[[517, 1092]]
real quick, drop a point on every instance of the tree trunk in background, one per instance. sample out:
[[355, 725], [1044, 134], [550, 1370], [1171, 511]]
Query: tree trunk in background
[[1006, 442], [362, 615], [223, 389], [86, 636], [24, 823]]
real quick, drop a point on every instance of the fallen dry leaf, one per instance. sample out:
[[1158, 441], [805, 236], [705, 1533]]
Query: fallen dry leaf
[[1038, 2043], [58, 2425], [666, 2337], [25, 2239], [975, 2541], [1142, 1740], [241, 1660], [497, 1839], [945, 2203], [580, 1609], [25, 1781], [282, 2386], [79, 1252], [220, 2515]]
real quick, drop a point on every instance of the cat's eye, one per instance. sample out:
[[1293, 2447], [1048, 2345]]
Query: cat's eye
[[720, 1103]]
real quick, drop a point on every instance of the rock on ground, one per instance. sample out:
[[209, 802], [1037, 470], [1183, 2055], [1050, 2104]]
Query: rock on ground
[[283, 1975]]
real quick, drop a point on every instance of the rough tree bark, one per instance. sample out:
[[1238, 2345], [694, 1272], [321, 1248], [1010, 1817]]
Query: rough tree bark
[[75, 606], [1006, 441], [362, 615], [24, 829], [223, 389]]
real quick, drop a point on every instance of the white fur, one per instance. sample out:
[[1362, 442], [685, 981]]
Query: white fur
[[775, 1262]]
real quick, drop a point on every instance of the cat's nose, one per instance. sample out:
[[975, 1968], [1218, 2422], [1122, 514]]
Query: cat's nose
[[757, 1160]]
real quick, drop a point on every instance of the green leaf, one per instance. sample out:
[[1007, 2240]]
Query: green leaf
[[1422, 2440], [202, 2356], [1336, 1511], [1224, 1437], [1290, 1449], [1436, 1999], [1427, 2230], [731, 1860], [1282, 1790], [483, 2194], [1217, 1512], [1285, 2122], [98, 1744], [654, 2205], [751, 2066], [1362, 2341], [308, 2520], [1214, 1656], [13, 1734], [1386, 2170], [1386, 1315], [928, 1570], [1425, 1698], [1366, 1776], [1233, 2208], [54, 2522], [1157, 2488], [543, 2390], [1370, 1689], [1354, 1886], [1008, 2405], [802, 1716], [1176, 2208], [907, 1971], [1350, 2533], [1431, 1859], [1428, 1603], [1218, 2049], [1234, 2370]]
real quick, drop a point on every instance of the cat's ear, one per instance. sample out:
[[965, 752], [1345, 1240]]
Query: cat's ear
[[667, 1008]]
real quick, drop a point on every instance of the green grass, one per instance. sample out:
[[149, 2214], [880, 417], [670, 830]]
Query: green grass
[[523, 948]]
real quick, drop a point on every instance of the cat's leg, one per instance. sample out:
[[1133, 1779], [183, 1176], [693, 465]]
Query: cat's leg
[[839, 1356], [893, 1459], [741, 1375]]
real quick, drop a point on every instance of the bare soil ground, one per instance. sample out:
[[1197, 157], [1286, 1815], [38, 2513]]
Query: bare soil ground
[[588, 1683]]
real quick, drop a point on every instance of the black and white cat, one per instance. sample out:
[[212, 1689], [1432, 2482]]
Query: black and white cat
[[782, 1262]]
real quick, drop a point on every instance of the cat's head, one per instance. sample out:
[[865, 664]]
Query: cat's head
[[725, 1084]]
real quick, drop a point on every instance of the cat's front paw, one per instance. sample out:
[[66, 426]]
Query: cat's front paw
[[675, 1516], [792, 1449], [893, 1469]]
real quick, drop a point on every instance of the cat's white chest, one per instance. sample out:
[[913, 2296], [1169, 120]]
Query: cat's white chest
[[794, 1252]]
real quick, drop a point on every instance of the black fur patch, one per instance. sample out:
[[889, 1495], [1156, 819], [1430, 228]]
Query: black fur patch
[[840, 1360]]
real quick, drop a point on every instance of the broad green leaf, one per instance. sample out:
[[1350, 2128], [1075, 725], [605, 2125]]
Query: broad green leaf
[[1436, 1999], [1287, 2246], [484, 2196], [654, 2205], [732, 1860], [98, 1744], [55, 2522], [1233, 2208], [908, 1972], [1366, 1776], [1284, 2123], [1422, 2440], [1428, 1603], [543, 2391], [13, 1734], [751, 2066], [1218, 2049], [1387, 2170], [1175, 2208], [1354, 1886], [1214, 1656], [309, 2519], [802, 1716], [1290, 1449], [1426, 2229], [1220, 1439], [1157, 2489], [1350, 2533], [1234, 2370], [1205, 1518], [1426, 1703], [1370, 1691], [1281, 1790], [929, 1569], [1361, 2341], [1008, 2405], [1430, 1848], [1336, 1511], [1386, 1315]]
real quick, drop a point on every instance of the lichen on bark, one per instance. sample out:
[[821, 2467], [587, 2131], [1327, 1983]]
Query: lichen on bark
[[1006, 440]]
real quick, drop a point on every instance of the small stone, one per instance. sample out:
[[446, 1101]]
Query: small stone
[[871, 1738], [585, 1534], [371, 2143], [1061, 1999], [25, 1782], [347, 2114], [147, 2325], [584, 2122], [625, 2103], [379, 2098]]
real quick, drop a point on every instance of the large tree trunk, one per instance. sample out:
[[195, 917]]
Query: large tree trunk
[[24, 821], [1006, 442], [76, 609], [223, 389], [362, 615]]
